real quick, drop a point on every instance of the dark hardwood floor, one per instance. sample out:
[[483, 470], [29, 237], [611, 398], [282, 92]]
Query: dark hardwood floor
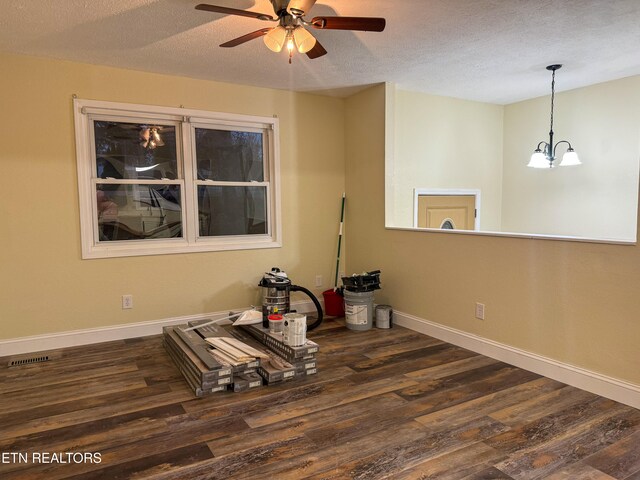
[[385, 404]]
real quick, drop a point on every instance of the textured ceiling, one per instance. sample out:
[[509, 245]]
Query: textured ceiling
[[486, 50]]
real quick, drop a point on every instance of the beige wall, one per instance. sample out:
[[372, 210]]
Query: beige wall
[[443, 142], [573, 302], [598, 198], [46, 287]]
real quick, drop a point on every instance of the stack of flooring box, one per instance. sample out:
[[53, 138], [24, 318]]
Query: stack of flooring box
[[208, 370], [285, 361], [244, 374], [204, 369]]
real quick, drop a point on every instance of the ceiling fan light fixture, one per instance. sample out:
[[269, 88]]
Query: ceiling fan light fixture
[[304, 40], [276, 38], [145, 136], [155, 135], [150, 138], [290, 31], [291, 44]]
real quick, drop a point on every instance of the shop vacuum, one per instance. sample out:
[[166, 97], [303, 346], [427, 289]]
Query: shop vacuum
[[277, 288]]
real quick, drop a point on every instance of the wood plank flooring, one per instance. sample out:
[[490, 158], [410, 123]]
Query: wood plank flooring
[[385, 404]]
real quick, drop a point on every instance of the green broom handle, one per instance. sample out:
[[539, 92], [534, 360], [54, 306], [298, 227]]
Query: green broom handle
[[335, 283]]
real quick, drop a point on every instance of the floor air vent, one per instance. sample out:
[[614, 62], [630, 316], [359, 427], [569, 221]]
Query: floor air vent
[[15, 362]]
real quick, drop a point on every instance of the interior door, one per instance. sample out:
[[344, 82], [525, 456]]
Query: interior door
[[454, 212]]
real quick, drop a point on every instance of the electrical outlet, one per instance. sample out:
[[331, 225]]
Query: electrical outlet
[[318, 280], [127, 302], [480, 311]]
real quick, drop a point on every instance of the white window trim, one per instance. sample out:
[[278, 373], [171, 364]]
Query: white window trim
[[188, 119]]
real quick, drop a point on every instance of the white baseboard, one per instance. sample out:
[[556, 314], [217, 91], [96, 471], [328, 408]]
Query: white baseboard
[[52, 341], [618, 390]]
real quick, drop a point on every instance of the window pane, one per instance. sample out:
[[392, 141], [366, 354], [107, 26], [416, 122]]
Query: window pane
[[232, 210], [228, 156], [135, 150], [138, 212]]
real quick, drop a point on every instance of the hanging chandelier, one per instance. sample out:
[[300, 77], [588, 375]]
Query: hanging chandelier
[[545, 156]]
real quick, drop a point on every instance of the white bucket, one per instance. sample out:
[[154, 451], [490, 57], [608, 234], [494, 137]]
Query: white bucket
[[358, 310]]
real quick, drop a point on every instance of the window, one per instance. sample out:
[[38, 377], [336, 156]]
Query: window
[[156, 180]]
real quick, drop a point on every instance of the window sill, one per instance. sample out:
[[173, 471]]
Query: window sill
[[133, 249]]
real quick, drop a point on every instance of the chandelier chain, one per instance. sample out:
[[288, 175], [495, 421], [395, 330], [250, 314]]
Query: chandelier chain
[[553, 94]]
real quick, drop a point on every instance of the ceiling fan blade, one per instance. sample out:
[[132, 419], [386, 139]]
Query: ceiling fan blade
[[245, 38], [233, 11], [300, 7], [365, 24], [317, 51]]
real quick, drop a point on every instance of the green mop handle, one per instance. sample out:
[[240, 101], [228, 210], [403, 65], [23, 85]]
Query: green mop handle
[[335, 284]]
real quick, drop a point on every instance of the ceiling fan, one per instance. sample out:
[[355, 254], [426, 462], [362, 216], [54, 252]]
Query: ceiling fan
[[290, 33]]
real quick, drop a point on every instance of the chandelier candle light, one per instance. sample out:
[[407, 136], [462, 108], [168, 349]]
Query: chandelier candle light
[[545, 158]]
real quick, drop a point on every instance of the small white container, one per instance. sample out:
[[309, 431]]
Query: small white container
[[295, 329], [276, 324], [384, 316]]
